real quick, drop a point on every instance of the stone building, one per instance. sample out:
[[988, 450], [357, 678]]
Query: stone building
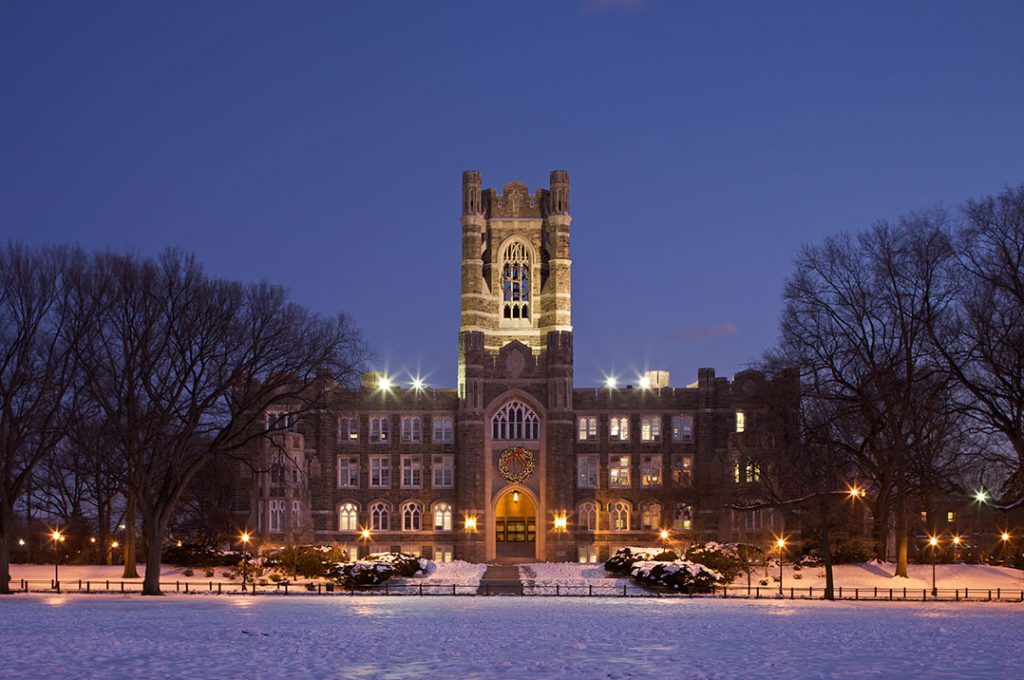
[[517, 462]]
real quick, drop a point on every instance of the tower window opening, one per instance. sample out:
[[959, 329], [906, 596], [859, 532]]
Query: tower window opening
[[515, 282]]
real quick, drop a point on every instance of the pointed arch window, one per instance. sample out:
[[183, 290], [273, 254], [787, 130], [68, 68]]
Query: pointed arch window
[[348, 517], [619, 515], [515, 421], [442, 517], [380, 517], [515, 281], [412, 517], [587, 516]]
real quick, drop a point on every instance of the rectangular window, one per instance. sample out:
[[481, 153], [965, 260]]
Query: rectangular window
[[682, 470], [682, 429], [348, 472], [618, 472], [650, 470], [280, 421], [587, 470], [296, 515], [924, 516], [444, 472], [650, 429], [348, 429], [380, 472], [741, 421], [443, 429], [444, 553], [276, 515], [411, 429], [412, 472], [380, 427], [618, 428], [587, 554], [586, 429], [950, 516]]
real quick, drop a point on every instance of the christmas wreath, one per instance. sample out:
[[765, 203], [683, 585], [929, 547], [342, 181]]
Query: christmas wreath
[[516, 464]]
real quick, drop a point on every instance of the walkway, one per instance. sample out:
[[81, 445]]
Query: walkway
[[500, 579]]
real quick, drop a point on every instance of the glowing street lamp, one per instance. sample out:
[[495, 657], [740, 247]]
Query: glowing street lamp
[[664, 538], [857, 492], [57, 538], [561, 522], [611, 382], [417, 384], [780, 543], [470, 523], [384, 383], [21, 542], [956, 548], [644, 382], [933, 541], [245, 557], [981, 496]]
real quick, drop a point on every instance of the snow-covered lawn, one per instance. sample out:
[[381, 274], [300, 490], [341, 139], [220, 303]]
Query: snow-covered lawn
[[106, 636], [465, 576], [880, 575]]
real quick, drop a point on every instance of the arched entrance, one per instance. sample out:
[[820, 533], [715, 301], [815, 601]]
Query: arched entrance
[[515, 526]]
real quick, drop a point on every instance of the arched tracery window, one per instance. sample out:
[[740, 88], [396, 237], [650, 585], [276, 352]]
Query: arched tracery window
[[587, 516], [442, 517], [682, 517], [515, 281], [515, 421], [348, 517], [412, 515], [650, 517], [380, 517], [619, 514]]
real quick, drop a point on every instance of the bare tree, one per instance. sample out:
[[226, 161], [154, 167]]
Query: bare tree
[[981, 340], [856, 319], [184, 366], [37, 371]]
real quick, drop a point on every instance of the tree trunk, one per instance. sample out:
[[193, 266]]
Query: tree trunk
[[6, 536], [880, 526], [130, 570], [901, 538], [154, 543], [826, 556]]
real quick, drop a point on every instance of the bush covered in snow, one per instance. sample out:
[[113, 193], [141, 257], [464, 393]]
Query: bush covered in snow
[[622, 561], [199, 555], [308, 561], [678, 575], [729, 560], [378, 568]]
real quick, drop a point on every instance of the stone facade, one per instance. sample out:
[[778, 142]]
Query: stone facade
[[588, 469]]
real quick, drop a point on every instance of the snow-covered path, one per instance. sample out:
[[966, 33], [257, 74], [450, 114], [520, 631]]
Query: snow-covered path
[[104, 636]]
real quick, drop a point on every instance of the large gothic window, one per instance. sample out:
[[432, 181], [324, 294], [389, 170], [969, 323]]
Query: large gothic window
[[515, 421], [515, 282]]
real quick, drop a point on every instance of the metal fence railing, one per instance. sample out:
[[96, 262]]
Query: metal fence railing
[[524, 589]]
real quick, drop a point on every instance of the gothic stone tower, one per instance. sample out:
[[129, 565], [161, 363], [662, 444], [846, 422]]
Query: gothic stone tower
[[515, 362]]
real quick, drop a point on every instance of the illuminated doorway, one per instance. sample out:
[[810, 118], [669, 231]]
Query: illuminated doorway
[[515, 526]]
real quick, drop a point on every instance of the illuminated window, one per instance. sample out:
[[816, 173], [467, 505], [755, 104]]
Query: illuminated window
[[618, 428], [682, 469], [443, 517], [444, 553], [380, 517], [682, 429], [380, 472], [650, 470], [619, 514], [587, 470], [924, 516], [380, 427], [443, 429], [586, 517], [650, 429], [411, 429], [682, 517], [412, 517], [950, 516], [348, 517], [444, 472], [348, 429], [515, 282], [618, 472], [348, 472], [741, 421], [515, 421], [587, 554], [412, 472], [650, 517], [586, 428]]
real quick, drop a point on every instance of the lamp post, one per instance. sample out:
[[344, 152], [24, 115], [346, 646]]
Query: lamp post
[[57, 538], [780, 543], [245, 557], [956, 548], [1005, 538], [933, 541], [664, 539]]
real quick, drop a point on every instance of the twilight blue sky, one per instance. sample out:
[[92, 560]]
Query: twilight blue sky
[[320, 144]]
